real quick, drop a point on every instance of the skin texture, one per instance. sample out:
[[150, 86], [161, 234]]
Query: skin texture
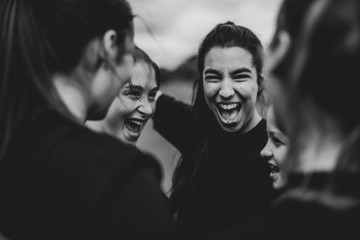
[[132, 108], [230, 88], [275, 149]]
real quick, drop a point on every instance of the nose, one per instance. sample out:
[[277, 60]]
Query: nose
[[226, 90], [266, 151], [146, 108]]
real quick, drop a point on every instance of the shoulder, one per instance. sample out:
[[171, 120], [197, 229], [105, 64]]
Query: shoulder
[[66, 146]]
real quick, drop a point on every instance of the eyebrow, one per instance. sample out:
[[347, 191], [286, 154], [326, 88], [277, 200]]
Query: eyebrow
[[211, 71], [236, 71], [133, 87], [139, 88], [240, 70], [155, 88]]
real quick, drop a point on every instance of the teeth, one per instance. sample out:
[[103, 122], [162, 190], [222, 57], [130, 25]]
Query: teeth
[[136, 122], [228, 106]]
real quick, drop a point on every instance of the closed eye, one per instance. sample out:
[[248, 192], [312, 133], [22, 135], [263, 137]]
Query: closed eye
[[212, 75], [210, 78], [277, 141], [152, 94], [241, 76]]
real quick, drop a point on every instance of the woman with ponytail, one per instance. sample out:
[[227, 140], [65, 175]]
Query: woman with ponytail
[[63, 62], [221, 179]]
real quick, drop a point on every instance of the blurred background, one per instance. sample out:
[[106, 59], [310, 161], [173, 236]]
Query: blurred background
[[170, 31]]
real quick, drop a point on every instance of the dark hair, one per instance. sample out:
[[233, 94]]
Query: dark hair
[[289, 19], [323, 75], [141, 56], [224, 35], [40, 38]]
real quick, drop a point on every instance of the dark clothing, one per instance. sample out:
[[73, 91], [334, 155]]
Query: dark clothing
[[234, 183], [311, 211], [60, 180]]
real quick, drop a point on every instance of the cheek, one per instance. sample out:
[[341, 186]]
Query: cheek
[[210, 90], [153, 106], [281, 155], [125, 106], [248, 90]]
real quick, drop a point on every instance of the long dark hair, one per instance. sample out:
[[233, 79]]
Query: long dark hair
[[41, 37], [224, 35]]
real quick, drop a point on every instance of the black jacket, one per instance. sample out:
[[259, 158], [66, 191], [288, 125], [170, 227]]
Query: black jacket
[[307, 209], [60, 180]]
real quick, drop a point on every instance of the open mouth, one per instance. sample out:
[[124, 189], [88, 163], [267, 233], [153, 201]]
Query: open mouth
[[228, 112], [274, 169], [134, 125]]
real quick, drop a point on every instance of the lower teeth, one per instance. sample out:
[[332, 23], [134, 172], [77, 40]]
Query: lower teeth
[[229, 116]]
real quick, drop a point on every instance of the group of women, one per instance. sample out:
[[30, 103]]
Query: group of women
[[76, 94]]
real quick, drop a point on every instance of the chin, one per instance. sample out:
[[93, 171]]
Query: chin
[[234, 127], [128, 142]]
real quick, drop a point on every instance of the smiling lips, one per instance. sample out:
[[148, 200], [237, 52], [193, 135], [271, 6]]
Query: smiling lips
[[274, 169], [135, 125], [228, 112]]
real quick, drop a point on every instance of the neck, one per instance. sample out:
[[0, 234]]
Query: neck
[[254, 122], [72, 95]]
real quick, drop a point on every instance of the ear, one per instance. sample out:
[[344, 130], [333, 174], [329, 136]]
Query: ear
[[110, 46]]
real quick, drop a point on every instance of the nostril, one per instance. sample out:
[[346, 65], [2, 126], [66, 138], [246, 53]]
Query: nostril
[[226, 92]]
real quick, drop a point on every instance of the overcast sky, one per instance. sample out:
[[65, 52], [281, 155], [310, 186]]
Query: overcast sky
[[171, 30]]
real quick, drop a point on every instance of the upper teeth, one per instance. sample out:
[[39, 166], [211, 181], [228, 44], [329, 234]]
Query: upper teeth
[[136, 122], [228, 106]]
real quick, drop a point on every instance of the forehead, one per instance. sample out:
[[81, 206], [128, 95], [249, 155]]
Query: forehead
[[143, 75], [228, 58]]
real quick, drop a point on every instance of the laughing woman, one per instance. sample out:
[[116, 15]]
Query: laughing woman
[[221, 179], [275, 149], [134, 105]]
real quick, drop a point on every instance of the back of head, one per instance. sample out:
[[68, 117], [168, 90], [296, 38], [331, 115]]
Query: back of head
[[290, 16], [320, 86], [41, 38]]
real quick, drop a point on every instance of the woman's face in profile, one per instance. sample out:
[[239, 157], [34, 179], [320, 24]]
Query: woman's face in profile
[[275, 149], [231, 87], [135, 104]]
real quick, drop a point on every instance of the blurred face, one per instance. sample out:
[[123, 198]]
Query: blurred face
[[109, 79], [130, 111], [231, 87], [275, 149]]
